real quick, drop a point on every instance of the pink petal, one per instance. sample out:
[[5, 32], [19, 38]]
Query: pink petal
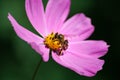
[[89, 48], [40, 48], [22, 32], [56, 13], [83, 65], [78, 25], [35, 13], [35, 41]]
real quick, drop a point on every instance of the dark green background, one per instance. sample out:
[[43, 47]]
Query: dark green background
[[18, 60]]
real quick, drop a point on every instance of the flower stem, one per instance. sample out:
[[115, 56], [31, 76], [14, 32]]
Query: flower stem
[[36, 70]]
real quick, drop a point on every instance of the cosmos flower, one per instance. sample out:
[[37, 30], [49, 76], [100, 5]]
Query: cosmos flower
[[65, 39]]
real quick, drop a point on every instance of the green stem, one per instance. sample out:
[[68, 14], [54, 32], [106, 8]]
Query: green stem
[[36, 70]]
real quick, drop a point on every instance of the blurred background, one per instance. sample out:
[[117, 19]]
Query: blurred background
[[18, 60]]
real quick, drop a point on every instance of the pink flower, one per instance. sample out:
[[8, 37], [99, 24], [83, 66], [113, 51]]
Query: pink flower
[[65, 38]]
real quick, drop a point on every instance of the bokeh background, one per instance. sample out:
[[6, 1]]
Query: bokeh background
[[18, 60]]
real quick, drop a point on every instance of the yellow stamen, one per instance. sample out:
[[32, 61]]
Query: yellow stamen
[[56, 42]]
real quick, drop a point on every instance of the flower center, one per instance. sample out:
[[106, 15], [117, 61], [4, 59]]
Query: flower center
[[56, 42]]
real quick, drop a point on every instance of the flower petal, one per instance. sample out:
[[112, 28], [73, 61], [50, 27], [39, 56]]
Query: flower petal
[[22, 32], [35, 13], [78, 25], [83, 65], [56, 13], [40, 48], [35, 41], [89, 48]]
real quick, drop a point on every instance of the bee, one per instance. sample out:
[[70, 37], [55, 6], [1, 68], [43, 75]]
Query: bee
[[65, 45], [63, 48], [59, 52], [59, 36], [62, 41]]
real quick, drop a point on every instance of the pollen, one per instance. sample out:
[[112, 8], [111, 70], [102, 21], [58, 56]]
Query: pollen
[[56, 42]]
